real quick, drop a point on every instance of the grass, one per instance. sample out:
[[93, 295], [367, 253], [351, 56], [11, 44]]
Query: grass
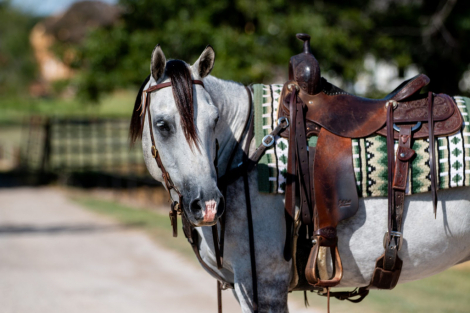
[[445, 292], [117, 104]]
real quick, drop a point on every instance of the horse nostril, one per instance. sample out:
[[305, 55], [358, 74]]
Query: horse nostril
[[196, 206]]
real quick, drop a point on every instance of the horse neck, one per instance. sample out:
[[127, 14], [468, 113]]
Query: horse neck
[[232, 100]]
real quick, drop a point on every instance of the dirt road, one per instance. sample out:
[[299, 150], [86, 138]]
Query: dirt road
[[56, 257]]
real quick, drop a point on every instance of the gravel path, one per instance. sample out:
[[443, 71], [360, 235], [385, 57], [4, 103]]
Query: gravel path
[[56, 257]]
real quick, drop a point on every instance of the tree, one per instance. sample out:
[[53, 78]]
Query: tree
[[254, 40], [17, 64]]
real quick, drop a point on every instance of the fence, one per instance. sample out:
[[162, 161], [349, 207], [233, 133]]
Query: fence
[[90, 149]]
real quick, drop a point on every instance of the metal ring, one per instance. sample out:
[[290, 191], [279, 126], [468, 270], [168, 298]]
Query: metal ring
[[270, 143], [290, 87], [394, 102], [414, 128], [282, 120]]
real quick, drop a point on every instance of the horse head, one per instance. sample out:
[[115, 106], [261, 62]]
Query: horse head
[[181, 140]]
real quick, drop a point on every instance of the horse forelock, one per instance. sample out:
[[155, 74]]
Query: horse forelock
[[182, 88]]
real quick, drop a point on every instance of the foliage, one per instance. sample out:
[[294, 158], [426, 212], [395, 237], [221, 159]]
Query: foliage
[[17, 64], [254, 40], [114, 105]]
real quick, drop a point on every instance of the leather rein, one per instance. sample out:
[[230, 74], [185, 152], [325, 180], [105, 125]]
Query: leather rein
[[242, 170], [145, 105]]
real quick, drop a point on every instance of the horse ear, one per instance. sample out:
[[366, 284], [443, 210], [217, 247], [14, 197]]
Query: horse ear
[[205, 63], [158, 63]]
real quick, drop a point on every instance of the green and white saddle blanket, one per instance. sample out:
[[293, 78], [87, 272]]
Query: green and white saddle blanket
[[369, 154]]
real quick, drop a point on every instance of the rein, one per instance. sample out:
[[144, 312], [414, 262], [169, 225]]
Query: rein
[[242, 170], [176, 205]]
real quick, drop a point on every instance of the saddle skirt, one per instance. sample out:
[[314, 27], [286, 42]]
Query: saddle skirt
[[369, 153]]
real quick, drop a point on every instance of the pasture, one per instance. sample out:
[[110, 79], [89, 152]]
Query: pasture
[[445, 292]]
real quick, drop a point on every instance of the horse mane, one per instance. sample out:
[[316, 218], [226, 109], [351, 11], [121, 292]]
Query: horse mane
[[182, 87]]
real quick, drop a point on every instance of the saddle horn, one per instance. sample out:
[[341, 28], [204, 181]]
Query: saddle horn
[[304, 68]]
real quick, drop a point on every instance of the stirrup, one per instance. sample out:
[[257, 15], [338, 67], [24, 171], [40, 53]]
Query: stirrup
[[311, 269]]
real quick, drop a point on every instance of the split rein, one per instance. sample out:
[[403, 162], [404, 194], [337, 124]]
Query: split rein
[[242, 170], [145, 110]]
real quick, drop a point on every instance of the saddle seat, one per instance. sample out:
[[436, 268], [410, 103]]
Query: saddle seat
[[350, 116]]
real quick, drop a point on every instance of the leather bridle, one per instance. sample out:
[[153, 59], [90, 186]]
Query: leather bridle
[[231, 175], [145, 107]]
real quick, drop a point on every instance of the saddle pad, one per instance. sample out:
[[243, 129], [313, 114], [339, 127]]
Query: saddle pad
[[272, 167], [369, 154]]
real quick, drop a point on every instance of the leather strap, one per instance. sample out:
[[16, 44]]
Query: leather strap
[[355, 296], [290, 195], [391, 159], [168, 84], [219, 296], [188, 229], [254, 276], [395, 220], [432, 152], [145, 110], [388, 266], [218, 244], [193, 239], [298, 165], [215, 239]]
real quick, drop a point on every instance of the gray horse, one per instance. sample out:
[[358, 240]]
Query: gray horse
[[185, 135]]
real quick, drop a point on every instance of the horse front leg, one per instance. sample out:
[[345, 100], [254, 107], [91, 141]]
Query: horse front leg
[[272, 271], [272, 290]]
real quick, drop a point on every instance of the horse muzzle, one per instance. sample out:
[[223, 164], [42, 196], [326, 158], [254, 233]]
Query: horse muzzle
[[205, 212]]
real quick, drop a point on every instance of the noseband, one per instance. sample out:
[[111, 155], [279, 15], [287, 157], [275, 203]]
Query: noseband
[[145, 106]]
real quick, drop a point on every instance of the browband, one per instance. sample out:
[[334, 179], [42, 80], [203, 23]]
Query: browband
[[146, 92], [168, 84]]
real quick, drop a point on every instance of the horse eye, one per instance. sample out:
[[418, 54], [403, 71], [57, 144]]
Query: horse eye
[[163, 126]]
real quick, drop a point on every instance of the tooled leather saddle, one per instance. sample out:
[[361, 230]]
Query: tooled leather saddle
[[322, 177]]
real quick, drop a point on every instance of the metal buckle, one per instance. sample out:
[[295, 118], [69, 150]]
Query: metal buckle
[[267, 145], [393, 234], [154, 151], [414, 128], [283, 119]]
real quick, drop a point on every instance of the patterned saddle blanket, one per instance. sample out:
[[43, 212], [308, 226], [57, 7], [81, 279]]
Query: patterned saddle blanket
[[369, 154]]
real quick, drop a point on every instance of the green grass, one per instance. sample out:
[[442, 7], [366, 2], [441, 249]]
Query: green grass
[[117, 104], [445, 292], [156, 224]]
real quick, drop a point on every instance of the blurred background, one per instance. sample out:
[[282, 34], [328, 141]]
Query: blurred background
[[70, 71]]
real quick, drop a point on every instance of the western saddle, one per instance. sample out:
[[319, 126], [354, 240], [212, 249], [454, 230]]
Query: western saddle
[[322, 177]]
